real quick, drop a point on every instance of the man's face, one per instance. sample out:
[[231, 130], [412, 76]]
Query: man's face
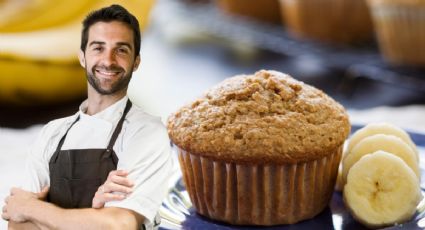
[[109, 57]]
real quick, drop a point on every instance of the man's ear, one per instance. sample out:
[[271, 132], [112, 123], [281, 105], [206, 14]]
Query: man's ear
[[136, 63], [82, 59]]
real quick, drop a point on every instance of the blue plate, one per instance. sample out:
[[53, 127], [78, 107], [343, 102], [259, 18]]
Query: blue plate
[[177, 213]]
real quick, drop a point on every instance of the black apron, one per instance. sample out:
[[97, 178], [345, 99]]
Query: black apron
[[76, 174]]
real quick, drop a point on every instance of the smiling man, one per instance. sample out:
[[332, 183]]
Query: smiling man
[[105, 167]]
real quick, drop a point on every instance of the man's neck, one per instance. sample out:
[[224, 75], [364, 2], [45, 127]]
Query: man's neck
[[97, 102]]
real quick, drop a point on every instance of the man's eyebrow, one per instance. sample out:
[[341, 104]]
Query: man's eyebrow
[[96, 43], [118, 43]]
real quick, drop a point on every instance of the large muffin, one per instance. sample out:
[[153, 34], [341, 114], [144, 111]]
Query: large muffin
[[260, 149], [332, 21], [400, 28]]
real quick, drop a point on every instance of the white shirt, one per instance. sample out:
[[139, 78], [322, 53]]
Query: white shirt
[[142, 148]]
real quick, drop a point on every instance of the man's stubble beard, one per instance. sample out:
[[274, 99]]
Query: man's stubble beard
[[119, 85]]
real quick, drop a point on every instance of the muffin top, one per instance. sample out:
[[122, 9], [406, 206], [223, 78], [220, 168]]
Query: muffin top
[[265, 117]]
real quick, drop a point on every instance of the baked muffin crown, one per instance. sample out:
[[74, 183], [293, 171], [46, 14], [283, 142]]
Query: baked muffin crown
[[265, 117]]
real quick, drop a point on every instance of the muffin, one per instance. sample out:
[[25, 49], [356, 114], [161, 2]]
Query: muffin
[[260, 149], [400, 29], [331, 21], [265, 10]]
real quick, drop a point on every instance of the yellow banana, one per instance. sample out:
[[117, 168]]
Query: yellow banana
[[14, 12], [12, 9], [61, 43], [56, 13], [51, 45], [36, 83], [42, 14]]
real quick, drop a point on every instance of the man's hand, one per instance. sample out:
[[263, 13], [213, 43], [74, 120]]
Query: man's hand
[[116, 187], [18, 201]]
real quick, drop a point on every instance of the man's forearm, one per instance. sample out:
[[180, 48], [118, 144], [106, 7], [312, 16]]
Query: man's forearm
[[49, 216], [22, 226]]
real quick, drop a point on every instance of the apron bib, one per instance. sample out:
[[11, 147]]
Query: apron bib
[[76, 174]]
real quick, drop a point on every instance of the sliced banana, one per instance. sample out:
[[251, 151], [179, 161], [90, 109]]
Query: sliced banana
[[381, 128], [388, 143], [381, 190]]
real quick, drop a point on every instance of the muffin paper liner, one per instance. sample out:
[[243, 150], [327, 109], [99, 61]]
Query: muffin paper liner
[[401, 33], [259, 194], [265, 10], [341, 21]]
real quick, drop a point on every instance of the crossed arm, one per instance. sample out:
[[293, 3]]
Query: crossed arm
[[27, 210]]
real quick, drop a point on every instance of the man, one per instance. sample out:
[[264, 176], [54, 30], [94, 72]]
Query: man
[[106, 167]]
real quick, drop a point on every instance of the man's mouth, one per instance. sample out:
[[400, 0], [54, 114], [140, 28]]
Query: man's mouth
[[108, 73]]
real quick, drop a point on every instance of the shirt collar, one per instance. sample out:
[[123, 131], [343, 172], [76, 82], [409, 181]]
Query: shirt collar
[[110, 114]]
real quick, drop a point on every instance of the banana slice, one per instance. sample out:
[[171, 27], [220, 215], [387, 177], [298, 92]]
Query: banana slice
[[388, 143], [381, 190], [381, 128]]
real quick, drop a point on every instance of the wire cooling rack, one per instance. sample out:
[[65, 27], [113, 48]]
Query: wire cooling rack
[[361, 61]]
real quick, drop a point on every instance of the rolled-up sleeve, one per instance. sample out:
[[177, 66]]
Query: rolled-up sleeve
[[37, 163], [147, 157]]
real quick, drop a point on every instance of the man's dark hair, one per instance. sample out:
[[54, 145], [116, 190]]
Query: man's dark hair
[[108, 14]]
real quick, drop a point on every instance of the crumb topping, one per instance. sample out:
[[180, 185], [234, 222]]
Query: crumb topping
[[267, 116]]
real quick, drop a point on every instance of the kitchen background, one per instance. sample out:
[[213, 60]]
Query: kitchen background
[[377, 71]]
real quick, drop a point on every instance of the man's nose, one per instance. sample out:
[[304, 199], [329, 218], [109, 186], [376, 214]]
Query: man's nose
[[109, 58]]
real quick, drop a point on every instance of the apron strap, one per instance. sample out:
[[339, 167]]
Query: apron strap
[[119, 126], [113, 138], [64, 136]]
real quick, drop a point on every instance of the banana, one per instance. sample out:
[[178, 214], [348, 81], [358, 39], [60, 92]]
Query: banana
[[381, 190], [61, 43], [44, 14], [383, 142], [381, 128], [11, 9], [57, 45], [19, 11], [37, 83], [47, 16]]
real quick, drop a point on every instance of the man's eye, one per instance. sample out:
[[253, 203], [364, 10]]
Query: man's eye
[[97, 48], [122, 50]]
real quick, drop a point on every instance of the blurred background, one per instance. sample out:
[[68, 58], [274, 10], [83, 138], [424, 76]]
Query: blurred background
[[363, 54], [367, 55]]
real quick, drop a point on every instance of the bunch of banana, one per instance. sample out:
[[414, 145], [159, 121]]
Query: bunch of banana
[[381, 173], [39, 43]]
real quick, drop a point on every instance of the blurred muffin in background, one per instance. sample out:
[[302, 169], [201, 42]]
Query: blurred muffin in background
[[260, 149], [332, 21], [264, 10], [400, 29]]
